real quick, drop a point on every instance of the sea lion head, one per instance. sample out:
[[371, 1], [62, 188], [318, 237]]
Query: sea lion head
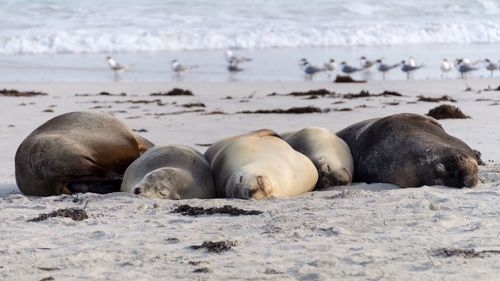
[[330, 176], [164, 183], [456, 169], [249, 183]]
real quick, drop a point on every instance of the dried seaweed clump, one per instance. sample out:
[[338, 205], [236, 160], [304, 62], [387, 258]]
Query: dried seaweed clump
[[226, 209], [315, 93], [442, 98], [464, 253], [215, 247], [347, 79], [446, 111], [75, 214], [16, 93], [293, 110], [174, 92]]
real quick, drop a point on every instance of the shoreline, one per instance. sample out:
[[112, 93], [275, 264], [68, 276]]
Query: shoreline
[[268, 64], [208, 87]]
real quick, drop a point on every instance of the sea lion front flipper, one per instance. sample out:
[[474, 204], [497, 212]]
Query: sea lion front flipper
[[144, 144]]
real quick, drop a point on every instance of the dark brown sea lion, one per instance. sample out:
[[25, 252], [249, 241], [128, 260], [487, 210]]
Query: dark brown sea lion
[[409, 150], [76, 152]]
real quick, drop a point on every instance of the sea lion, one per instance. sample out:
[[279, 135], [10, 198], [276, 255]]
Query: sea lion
[[170, 172], [409, 150], [329, 153], [259, 164], [76, 152]]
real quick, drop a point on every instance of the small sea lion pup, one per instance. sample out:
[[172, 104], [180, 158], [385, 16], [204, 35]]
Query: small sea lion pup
[[259, 164], [170, 172], [329, 153], [76, 152], [409, 150]]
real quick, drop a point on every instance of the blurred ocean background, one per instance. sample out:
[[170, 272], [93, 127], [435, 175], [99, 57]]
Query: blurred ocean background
[[58, 40]]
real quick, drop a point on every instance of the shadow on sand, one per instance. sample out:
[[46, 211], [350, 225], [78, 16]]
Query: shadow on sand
[[8, 189]]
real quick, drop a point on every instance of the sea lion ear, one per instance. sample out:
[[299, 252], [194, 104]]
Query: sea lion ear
[[439, 169], [478, 157]]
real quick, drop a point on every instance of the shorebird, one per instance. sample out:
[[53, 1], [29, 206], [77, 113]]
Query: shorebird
[[408, 68], [467, 61], [384, 68], [179, 68], [309, 70], [411, 61], [233, 66], [491, 66], [230, 57], [462, 60], [114, 65], [446, 67], [464, 66], [367, 64], [329, 66], [347, 69]]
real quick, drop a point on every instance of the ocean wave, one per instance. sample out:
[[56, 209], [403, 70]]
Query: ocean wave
[[98, 41], [58, 26]]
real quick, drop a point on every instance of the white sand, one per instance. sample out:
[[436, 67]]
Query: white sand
[[363, 232]]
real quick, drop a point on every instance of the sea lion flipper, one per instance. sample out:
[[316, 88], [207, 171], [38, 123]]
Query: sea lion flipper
[[144, 144], [100, 187]]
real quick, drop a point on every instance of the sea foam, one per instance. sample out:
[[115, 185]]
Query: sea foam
[[29, 27]]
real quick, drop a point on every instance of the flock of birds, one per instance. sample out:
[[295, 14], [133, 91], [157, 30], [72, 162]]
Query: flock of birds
[[463, 65], [233, 64]]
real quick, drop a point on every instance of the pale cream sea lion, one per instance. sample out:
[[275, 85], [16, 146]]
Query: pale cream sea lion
[[330, 154], [76, 152], [170, 172], [259, 164], [409, 150]]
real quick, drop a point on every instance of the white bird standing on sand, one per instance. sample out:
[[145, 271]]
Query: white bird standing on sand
[[491, 66], [384, 68], [366, 63], [179, 68], [464, 66], [231, 58], [114, 65], [411, 61], [347, 69], [408, 68], [330, 66], [309, 70], [446, 67]]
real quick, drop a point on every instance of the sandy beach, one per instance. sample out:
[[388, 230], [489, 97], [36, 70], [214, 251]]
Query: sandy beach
[[358, 232]]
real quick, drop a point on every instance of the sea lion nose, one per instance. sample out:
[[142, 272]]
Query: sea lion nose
[[137, 191], [471, 181]]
